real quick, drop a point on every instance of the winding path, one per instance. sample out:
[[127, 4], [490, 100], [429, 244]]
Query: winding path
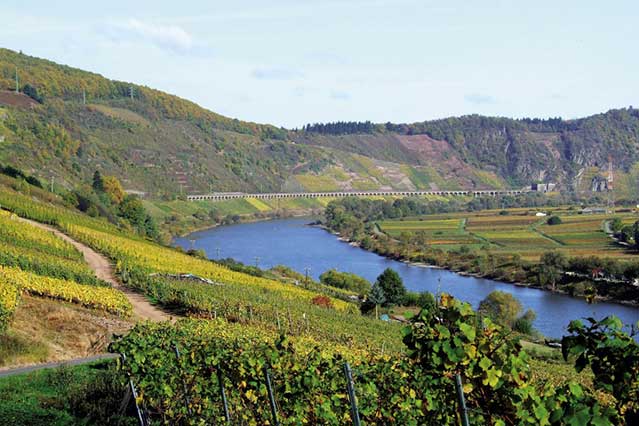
[[103, 269]]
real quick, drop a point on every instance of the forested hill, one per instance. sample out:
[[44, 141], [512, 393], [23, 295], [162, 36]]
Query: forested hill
[[520, 151], [66, 123]]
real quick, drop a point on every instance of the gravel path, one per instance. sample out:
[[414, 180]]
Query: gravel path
[[142, 309]]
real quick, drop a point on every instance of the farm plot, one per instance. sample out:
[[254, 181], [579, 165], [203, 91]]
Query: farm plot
[[578, 231], [499, 223], [444, 233], [517, 239]]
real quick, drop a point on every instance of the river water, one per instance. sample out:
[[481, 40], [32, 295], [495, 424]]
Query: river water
[[290, 242]]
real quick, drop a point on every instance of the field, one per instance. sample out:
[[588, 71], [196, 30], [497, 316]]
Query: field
[[517, 231]]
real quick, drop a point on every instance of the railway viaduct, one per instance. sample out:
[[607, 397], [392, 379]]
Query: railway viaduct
[[221, 196]]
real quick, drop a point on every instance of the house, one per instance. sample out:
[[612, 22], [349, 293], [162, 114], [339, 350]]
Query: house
[[543, 187]]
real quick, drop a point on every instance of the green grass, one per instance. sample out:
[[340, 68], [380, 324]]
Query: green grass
[[13, 346], [62, 396]]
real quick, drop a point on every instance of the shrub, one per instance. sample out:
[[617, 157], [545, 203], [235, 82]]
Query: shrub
[[613, 356], [554, 220], [323, 301]]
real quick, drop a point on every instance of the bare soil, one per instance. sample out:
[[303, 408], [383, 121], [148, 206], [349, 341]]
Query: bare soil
[[16, 99]]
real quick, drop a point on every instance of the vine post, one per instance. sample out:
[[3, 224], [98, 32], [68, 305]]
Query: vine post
[[463, 410], [187, 402], [350, 387], [271, 396], [225, 404]]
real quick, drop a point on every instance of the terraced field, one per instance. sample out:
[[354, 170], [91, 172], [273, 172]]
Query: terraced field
[[443, 233], [519, 231]]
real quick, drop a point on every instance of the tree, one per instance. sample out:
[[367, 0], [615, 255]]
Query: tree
[[504, 309], [98, 183], [616, 224], [377, 297], [552, 264], [32, 92], [554, 220], [113, 189], [346, 281], [393, 287]]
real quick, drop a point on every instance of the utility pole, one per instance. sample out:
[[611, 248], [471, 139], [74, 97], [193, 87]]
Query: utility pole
[[52, 180], [217, 252], [306, 271], [84, 97], [131, 92], [17, 84]]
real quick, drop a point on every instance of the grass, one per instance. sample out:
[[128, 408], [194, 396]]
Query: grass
[[86, 394], [16, 348], [45, 330]]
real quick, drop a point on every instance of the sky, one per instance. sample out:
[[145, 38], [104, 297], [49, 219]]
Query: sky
[[292, 62]]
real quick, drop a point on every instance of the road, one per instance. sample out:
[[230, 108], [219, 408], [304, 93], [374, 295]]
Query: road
[[72, 362]]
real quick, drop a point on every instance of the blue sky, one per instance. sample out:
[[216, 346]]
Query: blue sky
[[290, 62]]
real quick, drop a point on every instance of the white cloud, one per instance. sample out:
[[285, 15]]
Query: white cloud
[[166, 37], [282, 73], [479, 99], [340, 95]]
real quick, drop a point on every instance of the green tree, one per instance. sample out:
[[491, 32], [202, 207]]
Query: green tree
[[393, 286], [501, 307], [616, 224], [554, 220], [552, 265], [504, 309], [98, 183], [133, 211], [377, 297], [346, 281]]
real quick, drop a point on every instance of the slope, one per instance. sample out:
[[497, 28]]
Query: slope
[[74, 122]]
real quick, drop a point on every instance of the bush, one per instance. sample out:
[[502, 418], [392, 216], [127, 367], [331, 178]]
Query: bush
[[323, 301], [554, 220], [345, 280]]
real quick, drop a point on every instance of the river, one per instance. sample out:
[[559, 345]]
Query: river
[[290, 242]]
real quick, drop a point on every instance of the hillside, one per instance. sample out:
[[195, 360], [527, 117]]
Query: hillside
[[75, 122]]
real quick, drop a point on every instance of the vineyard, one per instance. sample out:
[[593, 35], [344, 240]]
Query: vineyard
[[40, 264], [212, 372], [96, 297], [8, 301]]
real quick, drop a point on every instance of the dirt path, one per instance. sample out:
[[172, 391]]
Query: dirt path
[[104, 270]]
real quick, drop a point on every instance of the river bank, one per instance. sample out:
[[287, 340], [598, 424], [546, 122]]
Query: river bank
[[309, 249], [469, 273]]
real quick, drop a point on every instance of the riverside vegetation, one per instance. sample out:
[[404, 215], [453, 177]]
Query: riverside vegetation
[[509, 244]]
